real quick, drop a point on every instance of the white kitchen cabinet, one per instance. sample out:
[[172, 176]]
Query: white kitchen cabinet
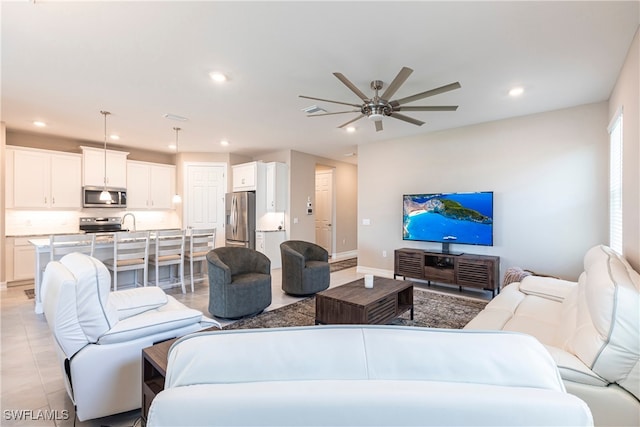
[[8, 176], [268, 242], [150, 185], [46, 179], [20, 259], [276, 187], [93, 168], [246, 176]]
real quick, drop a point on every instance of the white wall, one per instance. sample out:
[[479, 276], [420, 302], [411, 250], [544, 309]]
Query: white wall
[[548, 173]]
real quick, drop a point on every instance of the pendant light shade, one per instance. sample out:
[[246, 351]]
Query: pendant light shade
[[176, 197], [105, 196]]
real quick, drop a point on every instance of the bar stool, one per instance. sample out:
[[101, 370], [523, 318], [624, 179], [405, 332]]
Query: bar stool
[[169, 250], [63, 244], [130, 252], [201, 241]]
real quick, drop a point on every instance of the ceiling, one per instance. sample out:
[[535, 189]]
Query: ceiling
[[63, 62]]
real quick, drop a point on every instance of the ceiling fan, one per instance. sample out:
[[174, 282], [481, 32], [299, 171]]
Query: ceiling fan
[[379, 106]]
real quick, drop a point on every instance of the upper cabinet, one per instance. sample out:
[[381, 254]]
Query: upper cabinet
[[276, 187], [245, 176], [93, 173], [150, 185], [44, 179]]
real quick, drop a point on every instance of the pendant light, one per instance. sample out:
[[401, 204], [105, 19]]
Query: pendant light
[[105, 196], [176, 197]]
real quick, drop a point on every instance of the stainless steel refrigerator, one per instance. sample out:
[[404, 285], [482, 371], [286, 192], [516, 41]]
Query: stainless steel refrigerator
[[240, 212]]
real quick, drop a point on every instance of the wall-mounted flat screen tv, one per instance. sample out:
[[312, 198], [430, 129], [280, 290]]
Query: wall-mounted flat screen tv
[[461, 218]]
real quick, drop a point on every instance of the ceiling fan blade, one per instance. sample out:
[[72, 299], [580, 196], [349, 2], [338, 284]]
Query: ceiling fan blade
[[378, 125], [328, 100], [432, 92], [434, 108], [406, 119], [397, 82], [351, 86], [351, 121], [329, 114]]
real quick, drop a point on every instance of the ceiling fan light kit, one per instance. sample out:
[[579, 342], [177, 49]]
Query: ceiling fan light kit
[[380, 106]]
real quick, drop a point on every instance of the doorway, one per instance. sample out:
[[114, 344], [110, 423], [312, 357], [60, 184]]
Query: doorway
[[205, 186], [325, 215]]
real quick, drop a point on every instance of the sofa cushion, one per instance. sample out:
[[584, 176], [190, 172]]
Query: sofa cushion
[[93, 285], [362, 353], [608, 319], [168, 317], [131, 302], [60, 309]]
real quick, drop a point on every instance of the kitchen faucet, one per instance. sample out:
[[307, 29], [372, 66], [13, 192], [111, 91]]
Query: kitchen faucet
[[132, 216]]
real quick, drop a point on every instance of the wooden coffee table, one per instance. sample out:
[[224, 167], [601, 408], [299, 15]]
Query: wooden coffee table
[[354, 304]]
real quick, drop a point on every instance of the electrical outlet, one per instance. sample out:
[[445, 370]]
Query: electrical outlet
[[344, 241], [384, 254]]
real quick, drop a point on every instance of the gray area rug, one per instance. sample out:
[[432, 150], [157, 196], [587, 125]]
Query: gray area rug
[[431, 310]]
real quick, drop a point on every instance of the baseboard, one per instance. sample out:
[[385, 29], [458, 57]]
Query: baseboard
[[344, 255], [375, 271]]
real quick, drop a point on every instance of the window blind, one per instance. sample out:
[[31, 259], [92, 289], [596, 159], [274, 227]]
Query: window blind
[[615, 183]]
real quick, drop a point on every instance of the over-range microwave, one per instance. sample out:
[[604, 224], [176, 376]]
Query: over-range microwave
[[91, 197]]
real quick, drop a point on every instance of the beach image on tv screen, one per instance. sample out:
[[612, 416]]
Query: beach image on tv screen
[[465, 218]]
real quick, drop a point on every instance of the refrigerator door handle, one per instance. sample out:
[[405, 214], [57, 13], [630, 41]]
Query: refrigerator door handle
[[234, 215]]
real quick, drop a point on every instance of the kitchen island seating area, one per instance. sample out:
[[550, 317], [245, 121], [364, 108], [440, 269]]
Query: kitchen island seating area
[[99, 334], [63, 244], [130, 253], [169, 251], [197, 243], [201, 241]]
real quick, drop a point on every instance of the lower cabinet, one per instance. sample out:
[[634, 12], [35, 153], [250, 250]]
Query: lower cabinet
[[464, 270], [20, 259], [268, 242]]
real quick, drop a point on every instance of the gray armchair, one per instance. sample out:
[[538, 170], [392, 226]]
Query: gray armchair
[[305, 268], [239, 282]]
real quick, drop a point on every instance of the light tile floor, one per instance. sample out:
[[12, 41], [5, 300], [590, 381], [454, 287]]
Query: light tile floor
[[30, 376]]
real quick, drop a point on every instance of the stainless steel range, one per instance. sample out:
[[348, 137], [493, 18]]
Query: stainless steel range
[[101, 224]]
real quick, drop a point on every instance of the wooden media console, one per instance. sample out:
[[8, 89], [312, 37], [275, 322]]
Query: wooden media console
[[463, 270]]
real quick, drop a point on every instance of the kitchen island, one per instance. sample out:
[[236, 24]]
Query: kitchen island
[[103, 250]]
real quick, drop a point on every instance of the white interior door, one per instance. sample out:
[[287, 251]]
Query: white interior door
[[324, 209], [205, 186]]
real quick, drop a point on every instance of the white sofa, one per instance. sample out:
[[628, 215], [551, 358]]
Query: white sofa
[[99, 335], [362, 376], [591, 328]]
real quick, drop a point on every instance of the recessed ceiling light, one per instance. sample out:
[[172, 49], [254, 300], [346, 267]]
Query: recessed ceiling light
[[516, 91], [352, 154], [217, 76], [224, 142], [351, 129], [114, 137], [172, 146], [39, 124]]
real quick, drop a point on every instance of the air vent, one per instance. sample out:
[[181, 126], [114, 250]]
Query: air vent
[[314, 109]]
